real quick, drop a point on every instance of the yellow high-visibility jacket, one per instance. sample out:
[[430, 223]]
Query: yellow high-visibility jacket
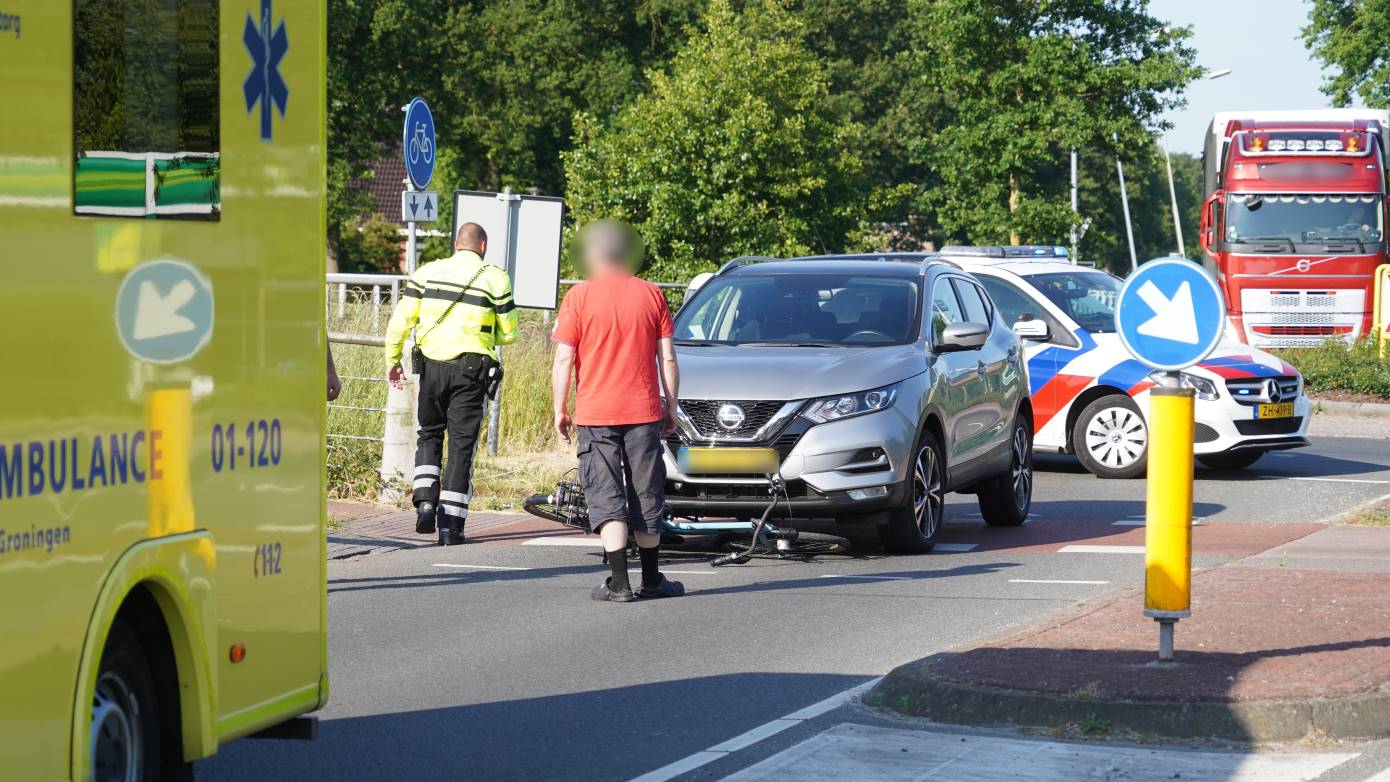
[[484, 318]]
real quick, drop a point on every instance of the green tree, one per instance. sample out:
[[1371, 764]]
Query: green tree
[[1350, 37], [504, 78], [1022, 83], [738, 148]]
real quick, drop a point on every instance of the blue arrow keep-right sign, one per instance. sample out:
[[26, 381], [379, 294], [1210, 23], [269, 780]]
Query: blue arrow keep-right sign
[[1170, 314]]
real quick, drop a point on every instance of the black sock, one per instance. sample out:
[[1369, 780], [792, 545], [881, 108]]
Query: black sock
[[651, 576], [617, 560]]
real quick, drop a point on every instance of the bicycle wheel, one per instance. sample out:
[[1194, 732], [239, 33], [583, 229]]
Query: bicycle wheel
[[811, 544], [539, 505]]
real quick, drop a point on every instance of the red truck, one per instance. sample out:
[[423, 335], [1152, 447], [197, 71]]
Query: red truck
[[1294, 222]]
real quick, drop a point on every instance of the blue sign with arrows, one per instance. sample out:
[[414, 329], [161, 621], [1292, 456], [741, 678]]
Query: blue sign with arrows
[[164, 311], [418, 143], [1170, 314]]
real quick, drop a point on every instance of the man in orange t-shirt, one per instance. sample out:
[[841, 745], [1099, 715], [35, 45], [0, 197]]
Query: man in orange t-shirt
[[609, 334]]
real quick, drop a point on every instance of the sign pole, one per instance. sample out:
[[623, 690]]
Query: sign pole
[[1170, 315], [505, 244], [1168, 511], [412, 260]]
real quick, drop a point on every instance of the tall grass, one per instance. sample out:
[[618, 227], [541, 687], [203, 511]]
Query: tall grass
[[530, 458]]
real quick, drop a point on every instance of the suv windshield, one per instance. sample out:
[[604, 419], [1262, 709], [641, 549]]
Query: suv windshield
[[1088, 297], [801, 309], [1303, 219]]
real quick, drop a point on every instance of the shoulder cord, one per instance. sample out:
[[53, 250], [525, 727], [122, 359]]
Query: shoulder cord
[[464, 291]]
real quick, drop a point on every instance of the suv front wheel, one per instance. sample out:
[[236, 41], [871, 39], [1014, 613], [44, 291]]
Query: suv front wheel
[[912, 528]]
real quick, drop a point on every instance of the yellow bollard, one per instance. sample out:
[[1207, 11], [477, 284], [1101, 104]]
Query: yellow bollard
[[1168, 524]]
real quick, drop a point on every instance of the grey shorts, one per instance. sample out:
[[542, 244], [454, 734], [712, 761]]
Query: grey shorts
[[623, 475]]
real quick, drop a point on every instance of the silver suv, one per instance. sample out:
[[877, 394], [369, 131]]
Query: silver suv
[[877, 383]]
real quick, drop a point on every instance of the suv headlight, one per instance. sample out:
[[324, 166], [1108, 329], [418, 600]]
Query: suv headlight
[[1204, 388], [834, 408]]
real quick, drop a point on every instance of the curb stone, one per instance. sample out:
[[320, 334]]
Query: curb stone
[[914, 690], [1355, 409]]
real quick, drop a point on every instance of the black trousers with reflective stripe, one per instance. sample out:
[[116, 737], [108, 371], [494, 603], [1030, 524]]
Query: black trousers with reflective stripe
[[452, 397]]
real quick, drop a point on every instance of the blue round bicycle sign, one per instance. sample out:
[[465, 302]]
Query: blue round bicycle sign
[[1170, 314], [418, 143]]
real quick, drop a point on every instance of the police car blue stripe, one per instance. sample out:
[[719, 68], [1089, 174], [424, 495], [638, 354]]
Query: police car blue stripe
[[1124, 375], [1045, 365]]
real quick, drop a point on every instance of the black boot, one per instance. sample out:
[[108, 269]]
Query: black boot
[[424, 518], [448, 536]]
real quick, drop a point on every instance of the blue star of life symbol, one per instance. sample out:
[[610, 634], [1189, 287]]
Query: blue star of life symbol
[[265, 84]]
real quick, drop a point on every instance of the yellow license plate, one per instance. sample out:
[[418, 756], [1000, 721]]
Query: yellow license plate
[[743, 461], [1277, 410]]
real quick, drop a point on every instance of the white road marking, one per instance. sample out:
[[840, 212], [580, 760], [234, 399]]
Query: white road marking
[[871, 578], [479, 567], [1138, 521], [579, 542], [1086, 549], [751, 737], [953, 548], [1051, 581], [1334, 480]]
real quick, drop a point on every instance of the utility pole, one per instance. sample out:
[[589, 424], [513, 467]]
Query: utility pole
[[1124, 201], [1075, 208], [1173, 198]]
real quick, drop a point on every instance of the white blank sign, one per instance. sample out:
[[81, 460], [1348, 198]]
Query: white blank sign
[[533, 225]]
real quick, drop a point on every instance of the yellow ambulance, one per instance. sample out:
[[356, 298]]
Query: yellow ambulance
[[162, 571]]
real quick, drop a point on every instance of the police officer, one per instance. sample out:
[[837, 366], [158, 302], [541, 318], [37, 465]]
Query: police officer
[[461, 309]]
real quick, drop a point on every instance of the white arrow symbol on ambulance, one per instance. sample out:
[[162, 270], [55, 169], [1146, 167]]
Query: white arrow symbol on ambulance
[[1174, 319], [158, 316]]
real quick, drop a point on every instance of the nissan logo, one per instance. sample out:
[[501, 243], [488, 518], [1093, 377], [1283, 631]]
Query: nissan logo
[[1272, 391], [730, 417]]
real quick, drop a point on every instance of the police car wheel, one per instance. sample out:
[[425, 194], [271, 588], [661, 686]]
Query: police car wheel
[[125, 731], [1111, 438]]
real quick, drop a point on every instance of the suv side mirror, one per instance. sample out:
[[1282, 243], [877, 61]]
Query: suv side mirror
[[963, 336], [1034, 329]]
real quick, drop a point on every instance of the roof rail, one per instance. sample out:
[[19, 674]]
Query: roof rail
[[1038, 251], [745, 260]]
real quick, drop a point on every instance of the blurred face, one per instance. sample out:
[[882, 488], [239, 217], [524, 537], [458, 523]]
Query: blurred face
[[610, 247]]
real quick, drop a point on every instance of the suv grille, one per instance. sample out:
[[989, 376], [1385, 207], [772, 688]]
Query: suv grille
[[703, 413], [1250, 391]]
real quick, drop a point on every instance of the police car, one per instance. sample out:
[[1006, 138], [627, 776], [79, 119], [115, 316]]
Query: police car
[[1090, 396]]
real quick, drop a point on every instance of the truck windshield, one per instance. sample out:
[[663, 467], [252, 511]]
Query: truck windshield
[[1088, 297], [821, 310], [1294, 220]]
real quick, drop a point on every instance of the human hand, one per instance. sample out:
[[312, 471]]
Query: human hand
[[395, 376], [335, 386], [668, 424], [563, 425]]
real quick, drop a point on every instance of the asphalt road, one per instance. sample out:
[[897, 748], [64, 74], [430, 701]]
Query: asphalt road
[[490, 662]]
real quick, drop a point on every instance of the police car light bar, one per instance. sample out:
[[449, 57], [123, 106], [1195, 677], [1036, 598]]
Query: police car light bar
[[1041, 251]]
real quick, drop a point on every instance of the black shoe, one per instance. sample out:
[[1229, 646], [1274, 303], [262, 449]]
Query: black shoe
[[449, 537], [664, 588], [424, 518], [603, 594]]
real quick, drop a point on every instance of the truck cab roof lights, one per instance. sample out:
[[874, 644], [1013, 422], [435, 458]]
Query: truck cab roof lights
[[1349, 143]]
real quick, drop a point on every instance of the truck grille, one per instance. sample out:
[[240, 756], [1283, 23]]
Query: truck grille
[[1251, 391], [703, 413]]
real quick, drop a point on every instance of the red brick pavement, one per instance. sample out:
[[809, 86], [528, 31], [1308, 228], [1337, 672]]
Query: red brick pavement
[[1254, 634]]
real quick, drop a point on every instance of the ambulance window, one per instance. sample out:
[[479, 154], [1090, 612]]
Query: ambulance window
[[145, 109]]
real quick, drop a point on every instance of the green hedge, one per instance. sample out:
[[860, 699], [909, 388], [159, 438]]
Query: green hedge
[[1337, 366]]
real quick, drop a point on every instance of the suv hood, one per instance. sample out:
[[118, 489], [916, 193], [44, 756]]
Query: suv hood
[[733, 372]]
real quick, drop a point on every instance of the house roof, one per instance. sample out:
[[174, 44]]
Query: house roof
[[385, 188]]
